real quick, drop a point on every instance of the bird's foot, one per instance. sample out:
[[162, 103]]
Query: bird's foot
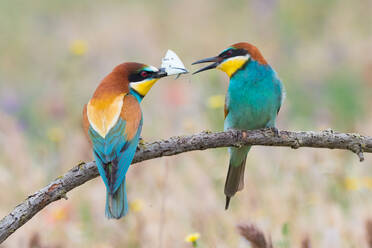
[[275, 131], [141, 144], [207, 131], [81, 162]]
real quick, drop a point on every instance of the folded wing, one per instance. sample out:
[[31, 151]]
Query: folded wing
[[114, 145]]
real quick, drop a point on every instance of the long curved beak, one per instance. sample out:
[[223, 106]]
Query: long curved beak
[[216, 61], [164, 72], [161, 73]]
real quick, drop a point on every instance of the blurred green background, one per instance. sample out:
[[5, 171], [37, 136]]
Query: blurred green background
[[53, 54]]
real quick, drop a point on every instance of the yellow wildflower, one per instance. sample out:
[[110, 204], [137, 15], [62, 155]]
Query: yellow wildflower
[[192, 237], [78, 47], [59, 214], [352, 184], [367, 182], [55, 134], [136, 205], [216, 101]]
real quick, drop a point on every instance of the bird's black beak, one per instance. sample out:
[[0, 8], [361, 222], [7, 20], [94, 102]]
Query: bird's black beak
[[216, 61], [161, 73]]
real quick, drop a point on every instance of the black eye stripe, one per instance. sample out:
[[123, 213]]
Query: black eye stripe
[[232, 53], [137, 76]]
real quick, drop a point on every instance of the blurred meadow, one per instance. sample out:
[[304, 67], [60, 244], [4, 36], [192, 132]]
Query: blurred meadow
[[53, 54]]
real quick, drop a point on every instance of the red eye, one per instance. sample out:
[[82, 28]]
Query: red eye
[[144, 74], [229, 53]]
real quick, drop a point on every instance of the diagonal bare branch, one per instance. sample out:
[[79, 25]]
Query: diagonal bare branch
[[82, 173]]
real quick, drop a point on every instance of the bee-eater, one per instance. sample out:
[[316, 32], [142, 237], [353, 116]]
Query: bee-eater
[[253, 100], [112, 120]]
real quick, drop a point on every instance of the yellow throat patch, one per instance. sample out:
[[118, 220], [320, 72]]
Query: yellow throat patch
[[231, 65], [143, 87], [104, 113]]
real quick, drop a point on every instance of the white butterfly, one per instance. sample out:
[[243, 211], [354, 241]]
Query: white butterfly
[[172, 64]]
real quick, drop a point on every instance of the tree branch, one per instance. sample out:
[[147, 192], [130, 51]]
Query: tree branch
[[82, 173]]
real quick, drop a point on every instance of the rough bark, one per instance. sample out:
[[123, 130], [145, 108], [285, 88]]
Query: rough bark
[[84, 172]]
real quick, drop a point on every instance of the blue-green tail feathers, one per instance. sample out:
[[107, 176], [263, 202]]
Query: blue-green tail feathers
[[113, 155], [117, 203], [235, 175]]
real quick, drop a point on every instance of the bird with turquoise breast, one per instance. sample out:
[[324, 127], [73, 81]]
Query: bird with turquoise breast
[[112, 120], [254, 97]]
